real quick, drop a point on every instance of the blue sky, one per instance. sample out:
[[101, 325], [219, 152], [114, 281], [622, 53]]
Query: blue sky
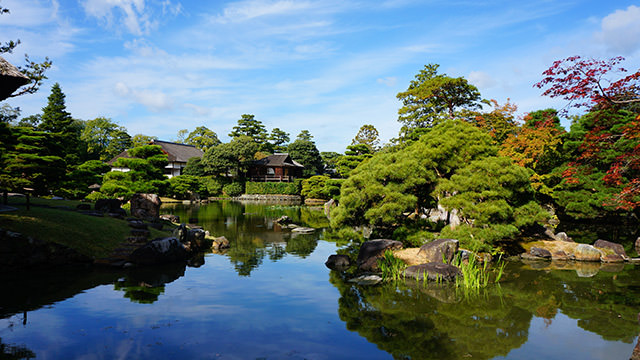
[[328, 66]]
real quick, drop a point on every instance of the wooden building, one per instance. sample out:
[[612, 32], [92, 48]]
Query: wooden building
[[276, 167], [178, 155]]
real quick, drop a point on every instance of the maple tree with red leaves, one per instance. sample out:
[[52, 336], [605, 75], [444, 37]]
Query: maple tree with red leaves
[[585, 83]]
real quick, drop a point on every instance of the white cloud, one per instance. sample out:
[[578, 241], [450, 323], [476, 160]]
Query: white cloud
[[251, 9], [481, 79], [154, 100], [621, 31], [388, 81], [135, 16]]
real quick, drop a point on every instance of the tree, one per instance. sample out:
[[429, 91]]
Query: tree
[[140, 140], [232, 158], [330, 159], [499, 123], [279, 139], [9, 114], [104, 138], [55, 118], [306, 153], [304, 135], [202, 138], [249, 126], [353, 157], [146, 174], [367, 135], [433, 97], [584, 82], [383, 188], [32, 70], [182, 135], [494, 200]]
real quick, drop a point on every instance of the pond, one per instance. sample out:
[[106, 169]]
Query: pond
[[271, 297]]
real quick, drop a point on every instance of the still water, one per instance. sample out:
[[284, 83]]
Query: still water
[[271, 297]]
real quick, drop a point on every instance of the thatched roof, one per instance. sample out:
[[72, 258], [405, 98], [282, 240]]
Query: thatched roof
[[175, 152], [280, 160], [10, 79]]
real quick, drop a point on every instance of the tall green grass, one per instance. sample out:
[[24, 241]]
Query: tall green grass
[[392, 268], [476, 275]]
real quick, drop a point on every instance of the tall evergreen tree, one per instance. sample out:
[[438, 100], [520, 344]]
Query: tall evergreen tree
[[55, 118]]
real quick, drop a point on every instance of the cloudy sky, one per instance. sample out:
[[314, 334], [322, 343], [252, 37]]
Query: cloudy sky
[[328, 66]]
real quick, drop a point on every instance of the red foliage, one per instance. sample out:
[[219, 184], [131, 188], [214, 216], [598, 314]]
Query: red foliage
[[582, 82]]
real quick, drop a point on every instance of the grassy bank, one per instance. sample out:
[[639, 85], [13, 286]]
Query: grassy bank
[[92, 236]]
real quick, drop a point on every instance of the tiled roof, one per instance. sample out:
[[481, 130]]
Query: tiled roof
[[175, 152], [278, 160]]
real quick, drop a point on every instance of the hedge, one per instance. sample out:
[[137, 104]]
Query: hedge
[[273, 188]]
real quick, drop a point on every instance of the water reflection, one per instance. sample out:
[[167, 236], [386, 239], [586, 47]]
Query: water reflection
[[252, 231], [144, 285], [411, 320]]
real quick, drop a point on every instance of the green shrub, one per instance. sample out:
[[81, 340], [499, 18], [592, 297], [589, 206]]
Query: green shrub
[[95, 196], [183, 186], [211, 186], [233, 189], [314, 187], [272, 188]]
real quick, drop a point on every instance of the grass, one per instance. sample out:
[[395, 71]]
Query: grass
[[392, 268], [476, 275], [92, 236]]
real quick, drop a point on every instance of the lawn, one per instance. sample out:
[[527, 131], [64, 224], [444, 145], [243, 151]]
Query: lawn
[[90, 235]]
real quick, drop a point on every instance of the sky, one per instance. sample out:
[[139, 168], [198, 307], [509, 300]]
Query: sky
[[327, 66]]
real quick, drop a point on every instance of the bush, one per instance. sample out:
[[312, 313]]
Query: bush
[[183, 186], [233, 189], [272, 188], [95, 196], [211, 186]]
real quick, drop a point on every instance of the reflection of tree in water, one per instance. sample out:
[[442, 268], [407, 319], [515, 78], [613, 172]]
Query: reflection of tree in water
[[302, 245], [15, 352], [252, 231], [144, 285], [410, 320]]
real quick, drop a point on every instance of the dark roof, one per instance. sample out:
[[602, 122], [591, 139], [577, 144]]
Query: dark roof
[[178, 152], [175, 152], [282, 160], [10, 79]]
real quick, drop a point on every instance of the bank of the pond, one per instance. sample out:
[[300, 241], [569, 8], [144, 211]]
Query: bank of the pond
[[56, 232]]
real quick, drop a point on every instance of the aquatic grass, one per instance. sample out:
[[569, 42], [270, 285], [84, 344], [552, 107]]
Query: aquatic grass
[[392, 268], [476, 275]]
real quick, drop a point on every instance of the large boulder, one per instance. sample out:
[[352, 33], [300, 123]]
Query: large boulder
[[616, 248], [171, 218], [439, 250], [585, 252], [108, 205], [562, 236], [435, 271], [541, 253], [371, 250], [160, 251], [338, 262], [220, 243], [145, 206]]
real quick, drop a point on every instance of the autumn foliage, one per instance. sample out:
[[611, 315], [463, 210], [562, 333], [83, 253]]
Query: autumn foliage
[[613, 137]]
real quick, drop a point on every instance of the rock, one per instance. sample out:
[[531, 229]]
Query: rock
[[137, 224], [338, 262], [612, 258], [367, 280], [584, 252], [160, 251], [196, 239], [439, 250], [117, 213], [560, 255], [220, 243], [83, 207], [542, 253], [434, 271], [181, 233], [549, 234], [107, 205], [145, 206], [529, 256], [304, 230], [371, 250], [328, 206], [562, 236], [616, 248], [171, 218], [283, 220]]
